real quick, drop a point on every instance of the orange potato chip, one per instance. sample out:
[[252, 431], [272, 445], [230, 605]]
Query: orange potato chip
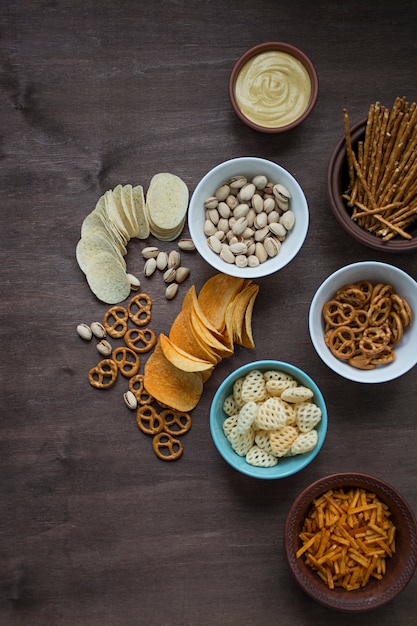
[[183, 335], [215, 296], [169, 385], [239, 316], [181, 359]]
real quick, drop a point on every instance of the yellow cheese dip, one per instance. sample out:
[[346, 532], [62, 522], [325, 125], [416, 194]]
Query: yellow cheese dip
[[273, 89]]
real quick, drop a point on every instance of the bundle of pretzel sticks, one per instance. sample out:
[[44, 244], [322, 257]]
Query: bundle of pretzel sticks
[[383, 172]]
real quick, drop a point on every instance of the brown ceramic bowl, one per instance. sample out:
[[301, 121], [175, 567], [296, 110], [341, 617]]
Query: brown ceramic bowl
[[337, 183], [277, 84], [400, 568]]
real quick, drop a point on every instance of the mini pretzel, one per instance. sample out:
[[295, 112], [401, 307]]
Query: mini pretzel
[[338, 313], [362, 362], [115, 321], [166, 447], [396, 327], [374, 340], [401, 306], [139, 309], [176, 422], [140, 340], [137, 387], [342, 342], [352, 294], [384, 357], [127, 361], [379, 310], [148, 420], [104, 374]]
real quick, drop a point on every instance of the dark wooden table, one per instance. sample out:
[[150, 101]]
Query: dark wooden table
[[95, 530]]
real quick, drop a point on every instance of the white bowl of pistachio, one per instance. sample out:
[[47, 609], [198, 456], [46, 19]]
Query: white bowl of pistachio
[[248, 217]]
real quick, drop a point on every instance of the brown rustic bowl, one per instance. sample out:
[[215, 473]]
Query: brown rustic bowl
[[282, 47], [400, 568], [337, 183]]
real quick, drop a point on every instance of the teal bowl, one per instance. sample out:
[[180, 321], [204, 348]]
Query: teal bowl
[[287, 466]]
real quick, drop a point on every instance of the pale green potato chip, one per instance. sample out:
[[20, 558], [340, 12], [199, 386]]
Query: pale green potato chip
[[107, 279], [138, 203]]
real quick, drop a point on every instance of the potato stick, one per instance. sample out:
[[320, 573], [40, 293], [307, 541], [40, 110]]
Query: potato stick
[[359, 559], [324, 539], [363, 507], [341, 540], [305, 547], [377, 529]]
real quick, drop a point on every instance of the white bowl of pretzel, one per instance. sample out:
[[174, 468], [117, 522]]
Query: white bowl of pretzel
[[371, 177], [362, 322]]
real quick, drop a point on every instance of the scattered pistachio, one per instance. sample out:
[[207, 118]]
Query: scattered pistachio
[[150, 267], [98, 330], [162, 261], [150, 253], [174, 259], [130, 400], [104, 347], [169, 275], [134, 282], [181, 274], [171, 291], [187, 245], [84, 332]]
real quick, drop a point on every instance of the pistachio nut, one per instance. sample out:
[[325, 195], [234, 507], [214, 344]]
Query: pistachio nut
[[174, 259], [171, 291], [211, 203], [150, 252], [162, 261], [181, 274], [84, 331], [222, 192], [288, 220], [98, 330], [150, 267], [169, 275], [187, 245], [130, 400], [134, 282], [104, 347]]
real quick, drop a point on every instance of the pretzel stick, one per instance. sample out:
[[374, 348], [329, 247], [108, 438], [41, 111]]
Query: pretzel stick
[[367, 211], [349, 150]]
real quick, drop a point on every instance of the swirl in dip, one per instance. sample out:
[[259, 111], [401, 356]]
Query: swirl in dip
[[273, 89]]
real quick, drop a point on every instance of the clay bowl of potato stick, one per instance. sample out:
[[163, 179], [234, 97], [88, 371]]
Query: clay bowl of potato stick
[[350, 540], [371, 178]]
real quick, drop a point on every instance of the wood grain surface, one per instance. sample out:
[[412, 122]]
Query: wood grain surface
[[94, 529]]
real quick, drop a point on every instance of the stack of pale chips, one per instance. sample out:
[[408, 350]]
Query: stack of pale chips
[[119, 215], [166, 206], [204, 332]]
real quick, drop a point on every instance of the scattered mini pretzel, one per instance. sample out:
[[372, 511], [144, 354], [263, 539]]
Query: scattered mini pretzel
[[115, 321], [139, 309], [148, 420], [137, 387], [167, 447], [175, 422], [127, 361], [140, 340], [104, 374]]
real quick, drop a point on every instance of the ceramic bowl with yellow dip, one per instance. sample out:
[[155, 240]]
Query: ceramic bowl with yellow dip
[[273, 87]]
